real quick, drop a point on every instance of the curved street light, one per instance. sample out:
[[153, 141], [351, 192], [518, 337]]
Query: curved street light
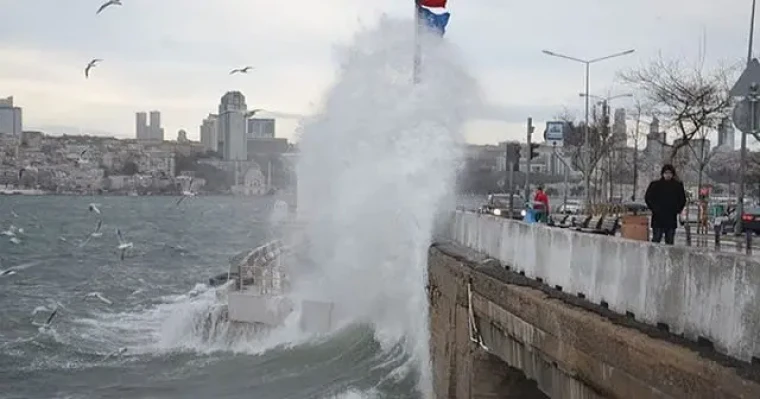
[[587, 152]]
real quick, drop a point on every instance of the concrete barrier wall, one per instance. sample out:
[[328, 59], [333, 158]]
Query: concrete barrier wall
[[697, 293]]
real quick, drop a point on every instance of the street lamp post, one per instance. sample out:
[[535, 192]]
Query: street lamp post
[[586, 149]]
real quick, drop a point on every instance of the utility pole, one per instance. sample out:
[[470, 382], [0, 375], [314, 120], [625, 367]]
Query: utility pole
[[567, 175], [743, 148], [636, 157], [512, 162], [417, 50], [527, 159], [511, 172], [611, 148]]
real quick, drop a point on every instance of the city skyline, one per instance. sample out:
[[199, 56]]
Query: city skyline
[[295, 65]]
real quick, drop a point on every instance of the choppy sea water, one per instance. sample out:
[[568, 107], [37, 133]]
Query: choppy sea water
[[159, 309]]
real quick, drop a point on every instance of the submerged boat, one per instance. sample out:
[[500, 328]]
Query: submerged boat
[[258, 288]]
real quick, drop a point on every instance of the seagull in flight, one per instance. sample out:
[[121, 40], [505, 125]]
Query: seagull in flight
[[123, 245], [89, 66], [99, 296], [94, 234], [15, 269], [253, 112], [108, 4], [94, 208], [115, 353], [81, 159], [8, 272], [241, 70]]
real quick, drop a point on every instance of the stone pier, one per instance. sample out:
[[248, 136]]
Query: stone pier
[[504, 326]]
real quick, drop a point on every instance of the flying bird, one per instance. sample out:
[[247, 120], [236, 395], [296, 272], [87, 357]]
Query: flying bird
[[94, 208], [117, 352], [253, 112], [123, 245], [241, 70], [90, 66], [108, 4], [97, 232], [100, 296], [94, 234], [8, 272]]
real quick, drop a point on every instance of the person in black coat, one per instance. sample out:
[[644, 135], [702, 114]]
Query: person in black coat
[[666, 198]]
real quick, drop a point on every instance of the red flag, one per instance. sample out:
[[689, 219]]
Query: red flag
[[432, 3]]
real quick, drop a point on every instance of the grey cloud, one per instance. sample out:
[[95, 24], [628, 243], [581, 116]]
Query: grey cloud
[[517, 113]]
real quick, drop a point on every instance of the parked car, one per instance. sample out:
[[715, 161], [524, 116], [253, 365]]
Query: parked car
[[572, 207], [690, 214], [726, 221], [750, 220], [498, 204], [635, 208]]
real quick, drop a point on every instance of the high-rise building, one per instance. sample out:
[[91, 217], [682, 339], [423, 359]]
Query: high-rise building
[[260, 128], [10, 118], [232, 126], [141, 126], [156, 131], [727, 134], [209, 136], [619, 128]]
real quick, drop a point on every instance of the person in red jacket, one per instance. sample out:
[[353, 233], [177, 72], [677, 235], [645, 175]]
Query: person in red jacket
[[542, 199]]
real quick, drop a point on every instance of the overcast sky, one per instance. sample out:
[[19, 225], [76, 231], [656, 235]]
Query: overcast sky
[[175, 55]]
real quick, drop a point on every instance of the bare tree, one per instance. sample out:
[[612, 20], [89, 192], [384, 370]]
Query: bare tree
[[698, 148], [600, 144], [636, 135], [724, 166], [690, 99]]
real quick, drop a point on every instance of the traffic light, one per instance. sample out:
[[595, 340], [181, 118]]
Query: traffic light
[[533, 150]]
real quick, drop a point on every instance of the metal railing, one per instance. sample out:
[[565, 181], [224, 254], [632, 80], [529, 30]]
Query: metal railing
[[262, 270]]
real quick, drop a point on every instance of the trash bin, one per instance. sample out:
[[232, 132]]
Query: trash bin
[[635, 227], [530, 216]]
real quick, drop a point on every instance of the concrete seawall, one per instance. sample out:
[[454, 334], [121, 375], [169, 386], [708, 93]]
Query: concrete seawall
[[695, 293], [497, 334]]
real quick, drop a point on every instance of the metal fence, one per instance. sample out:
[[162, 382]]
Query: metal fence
[[262, 270]]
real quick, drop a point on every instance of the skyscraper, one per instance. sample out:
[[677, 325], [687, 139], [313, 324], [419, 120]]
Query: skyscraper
[[619, 128], [232, 126], [10, 118], [209, 136], [727, 134], [141, 126], [156, 131]]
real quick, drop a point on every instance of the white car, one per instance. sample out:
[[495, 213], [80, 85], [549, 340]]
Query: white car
[[689, 215], [570, 208]]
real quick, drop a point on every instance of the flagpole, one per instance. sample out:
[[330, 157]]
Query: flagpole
[[417, 56]]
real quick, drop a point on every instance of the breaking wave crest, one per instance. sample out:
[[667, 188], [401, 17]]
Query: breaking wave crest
[[375, 165]]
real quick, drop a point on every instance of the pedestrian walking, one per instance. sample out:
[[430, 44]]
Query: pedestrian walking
[[541, 205], [666, 198]]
